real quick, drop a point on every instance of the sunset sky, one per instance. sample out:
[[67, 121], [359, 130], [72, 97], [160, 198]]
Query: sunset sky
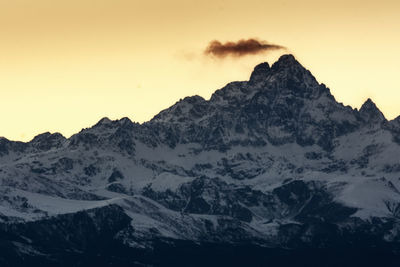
[[65, 64]]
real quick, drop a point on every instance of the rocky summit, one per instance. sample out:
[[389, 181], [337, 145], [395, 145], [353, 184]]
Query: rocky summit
[[272, 171]]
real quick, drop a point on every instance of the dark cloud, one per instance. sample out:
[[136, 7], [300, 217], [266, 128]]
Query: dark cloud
[[240, 48]]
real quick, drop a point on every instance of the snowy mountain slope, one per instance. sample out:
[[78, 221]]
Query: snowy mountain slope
[[274, 161]]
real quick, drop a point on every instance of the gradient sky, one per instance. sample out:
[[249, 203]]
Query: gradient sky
[[65, 64]]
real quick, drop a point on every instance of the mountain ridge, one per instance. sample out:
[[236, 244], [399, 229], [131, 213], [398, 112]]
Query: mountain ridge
[[271, 163], [261, 70]]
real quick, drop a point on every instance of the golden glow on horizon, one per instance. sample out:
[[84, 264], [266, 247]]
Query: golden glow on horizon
[[66, 64]]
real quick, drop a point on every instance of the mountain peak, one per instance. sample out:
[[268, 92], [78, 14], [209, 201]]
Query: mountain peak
[[370, 112], [368, 103], [125, 120], [260, 71], [45, 136], [104, 121], [47, 140], [286, 61]]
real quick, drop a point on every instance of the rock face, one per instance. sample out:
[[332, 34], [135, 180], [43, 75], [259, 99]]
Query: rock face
[[272, 167]]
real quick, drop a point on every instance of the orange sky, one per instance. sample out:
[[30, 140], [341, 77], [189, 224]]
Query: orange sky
[[65, 64]]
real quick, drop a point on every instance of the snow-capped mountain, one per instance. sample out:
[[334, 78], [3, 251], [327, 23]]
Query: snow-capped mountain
[[271, 164]]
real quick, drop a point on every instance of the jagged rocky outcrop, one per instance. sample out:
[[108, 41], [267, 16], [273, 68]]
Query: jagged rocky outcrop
[[272, 167]]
